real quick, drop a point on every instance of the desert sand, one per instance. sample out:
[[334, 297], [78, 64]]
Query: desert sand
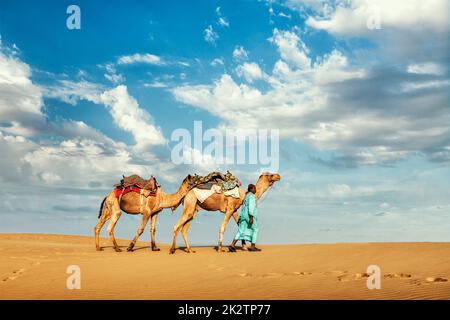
[[33, 266]]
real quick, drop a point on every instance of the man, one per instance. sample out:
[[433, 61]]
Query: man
[[247, 224]]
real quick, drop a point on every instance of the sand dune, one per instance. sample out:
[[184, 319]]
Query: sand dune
[[33, 266]]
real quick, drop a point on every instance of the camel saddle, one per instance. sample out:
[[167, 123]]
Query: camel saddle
[[225, 181], [136, 181]]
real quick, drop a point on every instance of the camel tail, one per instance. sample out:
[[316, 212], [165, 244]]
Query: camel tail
[[101, 208]]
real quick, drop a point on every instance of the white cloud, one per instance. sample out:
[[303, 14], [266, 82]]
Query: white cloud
[[184, 63], [217, 61], [239, 53], [223, 22], [426, 68], [351, 18], [75, 160], [284, 15], [72, 91], [114, 78], [124, 109], [48, 162], [62, 162], [155, 84], [385, 205], [339, 190], [327, 102], [73, 163], [201, 162], [20, 100], [69, 129], [210, 35], [13, 148], [415, 86], [280, 14], [130, 117], [291, 48], [140, 58], [250, 71], [112, 74]]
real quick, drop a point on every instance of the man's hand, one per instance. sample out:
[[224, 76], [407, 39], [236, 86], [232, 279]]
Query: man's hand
[[251, 220]]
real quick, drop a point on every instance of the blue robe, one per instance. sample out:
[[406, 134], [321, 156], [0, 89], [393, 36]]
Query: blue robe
[[247, 231]]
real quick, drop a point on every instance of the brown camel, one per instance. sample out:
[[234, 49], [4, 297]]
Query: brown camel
[[134, 203], [217, 202]]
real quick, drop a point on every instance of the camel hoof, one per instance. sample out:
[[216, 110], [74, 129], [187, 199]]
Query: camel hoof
[[118, 250], [190, 251], [156, 249], [99, 249], [130, 249], [172, 251]]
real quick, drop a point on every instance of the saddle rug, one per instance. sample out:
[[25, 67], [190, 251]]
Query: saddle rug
[[120, 192], [225, 181], [135, 180], [203, 194]]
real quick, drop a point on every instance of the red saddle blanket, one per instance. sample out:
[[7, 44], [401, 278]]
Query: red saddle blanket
[[119, 191]]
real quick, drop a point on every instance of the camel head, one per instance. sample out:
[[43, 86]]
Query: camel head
[[269, 178], [187, 182], [265, 181]]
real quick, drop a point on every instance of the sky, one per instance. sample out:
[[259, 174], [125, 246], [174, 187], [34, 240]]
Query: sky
[[358, 91]]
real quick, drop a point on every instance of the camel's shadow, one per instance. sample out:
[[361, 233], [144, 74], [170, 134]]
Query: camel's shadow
[[112, 247], [124, 248], [184, 249]]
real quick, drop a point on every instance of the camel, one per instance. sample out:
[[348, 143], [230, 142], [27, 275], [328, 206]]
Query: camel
[[133, 203], [217, 202]]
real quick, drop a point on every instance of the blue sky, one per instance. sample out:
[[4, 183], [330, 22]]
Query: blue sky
[[363, 114]]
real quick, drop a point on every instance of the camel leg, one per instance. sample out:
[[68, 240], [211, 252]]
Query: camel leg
[[153, 232], [184, 231], [223, 227], [236, 216], [145, 218], [105, 217], [115, 217], [177, 228], [188, 213]]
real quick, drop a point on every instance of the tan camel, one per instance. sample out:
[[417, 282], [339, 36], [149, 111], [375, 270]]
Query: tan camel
[[217, 202], [133, 203]]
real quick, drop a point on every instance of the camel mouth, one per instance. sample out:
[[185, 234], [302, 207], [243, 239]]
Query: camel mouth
[[276, 177]]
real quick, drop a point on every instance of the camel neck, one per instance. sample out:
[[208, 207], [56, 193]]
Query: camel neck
[[260, 189], [169, 200]]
